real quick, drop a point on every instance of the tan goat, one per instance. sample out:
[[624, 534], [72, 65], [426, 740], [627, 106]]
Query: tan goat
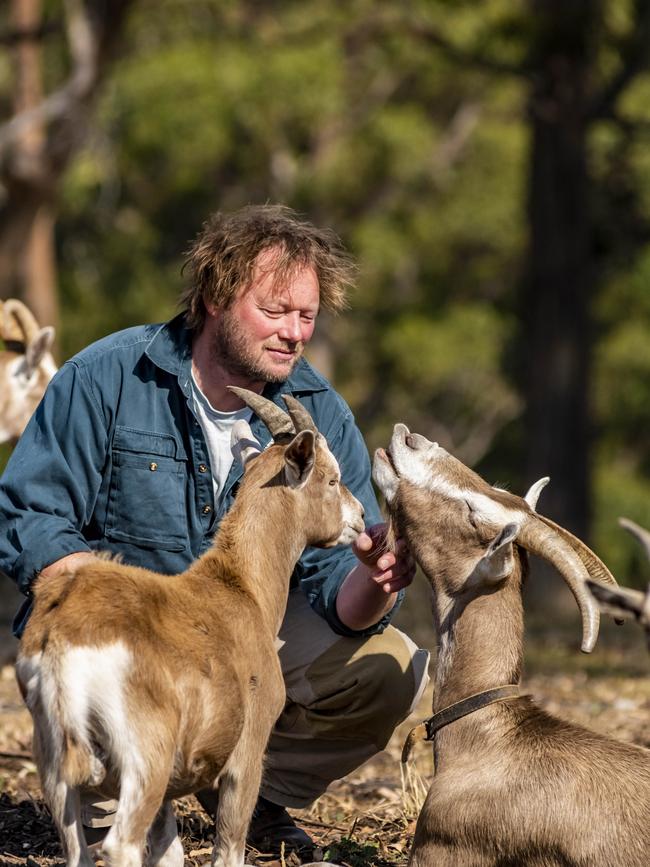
[[513, 785], [148, 687], [26, 367], [623, 601]]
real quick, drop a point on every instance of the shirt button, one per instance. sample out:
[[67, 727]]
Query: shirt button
[[207, 510], [153, 466], [203, 468]]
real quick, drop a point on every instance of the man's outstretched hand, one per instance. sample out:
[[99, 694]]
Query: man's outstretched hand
[[392, 571], [370, 589]]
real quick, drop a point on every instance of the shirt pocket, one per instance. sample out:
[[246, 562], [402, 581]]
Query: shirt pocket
[[146, 500]]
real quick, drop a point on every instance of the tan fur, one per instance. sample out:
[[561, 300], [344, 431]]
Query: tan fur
[[203, 686], [26, 367], [513, 785]]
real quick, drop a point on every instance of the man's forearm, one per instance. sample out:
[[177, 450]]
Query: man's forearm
[[361, 602]]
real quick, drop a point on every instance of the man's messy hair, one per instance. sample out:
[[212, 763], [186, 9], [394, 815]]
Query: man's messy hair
[[221, 260]]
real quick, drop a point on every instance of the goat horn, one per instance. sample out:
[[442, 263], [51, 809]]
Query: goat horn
[[18, 322], [542, 538], [642, 536], [593, 564], [275, 418], [299, 415]]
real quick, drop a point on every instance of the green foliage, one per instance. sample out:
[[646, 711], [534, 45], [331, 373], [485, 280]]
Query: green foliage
[[417, 157]]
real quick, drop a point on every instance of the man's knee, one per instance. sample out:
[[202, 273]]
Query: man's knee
[[364, 688]]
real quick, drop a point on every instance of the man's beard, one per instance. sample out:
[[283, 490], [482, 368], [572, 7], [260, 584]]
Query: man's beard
[[234, 354]]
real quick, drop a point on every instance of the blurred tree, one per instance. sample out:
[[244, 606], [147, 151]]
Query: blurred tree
[[44, 132], [569, 96], [578, 61], [409, 128]]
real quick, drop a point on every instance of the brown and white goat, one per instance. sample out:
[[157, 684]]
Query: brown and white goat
[[624, 601], [26, 367], [147, 687], [513, 785]]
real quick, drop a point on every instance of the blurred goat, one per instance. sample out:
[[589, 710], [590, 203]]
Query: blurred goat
[[513, 785], [26, 367], [623, 601]]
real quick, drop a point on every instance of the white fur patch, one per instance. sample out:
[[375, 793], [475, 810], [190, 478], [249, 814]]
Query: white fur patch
[[384, 477], [93, 682], [486, 508], [28, 671], [352, 521]]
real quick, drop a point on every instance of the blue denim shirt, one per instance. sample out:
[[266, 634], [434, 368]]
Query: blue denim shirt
[[114, 460]]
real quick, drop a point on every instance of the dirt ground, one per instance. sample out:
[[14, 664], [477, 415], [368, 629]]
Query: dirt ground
[[369, 818]]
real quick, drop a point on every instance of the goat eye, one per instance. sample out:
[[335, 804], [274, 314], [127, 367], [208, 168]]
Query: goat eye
[[334, 482], [471, 515]]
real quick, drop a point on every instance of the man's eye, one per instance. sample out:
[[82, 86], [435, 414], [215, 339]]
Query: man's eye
[[272, 313]]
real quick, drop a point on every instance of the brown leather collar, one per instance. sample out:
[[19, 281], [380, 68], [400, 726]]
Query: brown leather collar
[[426, 730]]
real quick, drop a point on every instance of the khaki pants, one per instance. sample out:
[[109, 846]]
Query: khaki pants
[[345, 696]]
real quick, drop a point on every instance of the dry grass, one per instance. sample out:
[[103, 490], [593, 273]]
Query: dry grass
[[368, 818]]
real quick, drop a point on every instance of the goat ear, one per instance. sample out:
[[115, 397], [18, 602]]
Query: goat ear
[[37, 347], [496, 563], [299, 459], [507, 535], [243, 444]]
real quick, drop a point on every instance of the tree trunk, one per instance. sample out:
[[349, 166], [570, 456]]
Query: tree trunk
[[559, 283], [27, 261], [45, 132]]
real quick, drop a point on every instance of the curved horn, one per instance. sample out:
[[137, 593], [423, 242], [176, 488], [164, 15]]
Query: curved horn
[[642, 536], [535, 490], [276, 419], [299, 415], [539, 538], [593, 564], [18, 322]]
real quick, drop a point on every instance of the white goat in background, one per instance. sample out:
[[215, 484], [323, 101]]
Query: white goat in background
[[26, 367]]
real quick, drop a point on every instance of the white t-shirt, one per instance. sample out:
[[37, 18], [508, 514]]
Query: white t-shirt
[[217, 427]]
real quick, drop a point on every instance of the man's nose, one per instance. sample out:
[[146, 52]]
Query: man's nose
[[290, 327]]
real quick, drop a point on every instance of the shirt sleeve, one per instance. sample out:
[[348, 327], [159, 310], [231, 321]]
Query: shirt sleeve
[[49, 488], [322, 571]]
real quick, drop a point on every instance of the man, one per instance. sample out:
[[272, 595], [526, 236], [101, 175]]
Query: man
[[129, 452]]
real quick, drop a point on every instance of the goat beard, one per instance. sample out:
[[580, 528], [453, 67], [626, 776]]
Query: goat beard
[[233, 352]]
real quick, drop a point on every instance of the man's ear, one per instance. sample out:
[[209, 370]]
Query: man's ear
[[243, 444], [299, 459]]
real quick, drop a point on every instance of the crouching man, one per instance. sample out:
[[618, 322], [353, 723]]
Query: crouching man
[[129, 452]]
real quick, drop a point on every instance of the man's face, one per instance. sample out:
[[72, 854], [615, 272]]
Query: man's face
[[263, 333]]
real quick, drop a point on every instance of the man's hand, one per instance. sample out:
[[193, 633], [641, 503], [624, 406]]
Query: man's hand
[[391, 571], [370, 589], [67, 564]]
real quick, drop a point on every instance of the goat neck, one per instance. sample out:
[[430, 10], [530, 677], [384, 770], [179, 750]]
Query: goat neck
[[263, 510], [480, 641]]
